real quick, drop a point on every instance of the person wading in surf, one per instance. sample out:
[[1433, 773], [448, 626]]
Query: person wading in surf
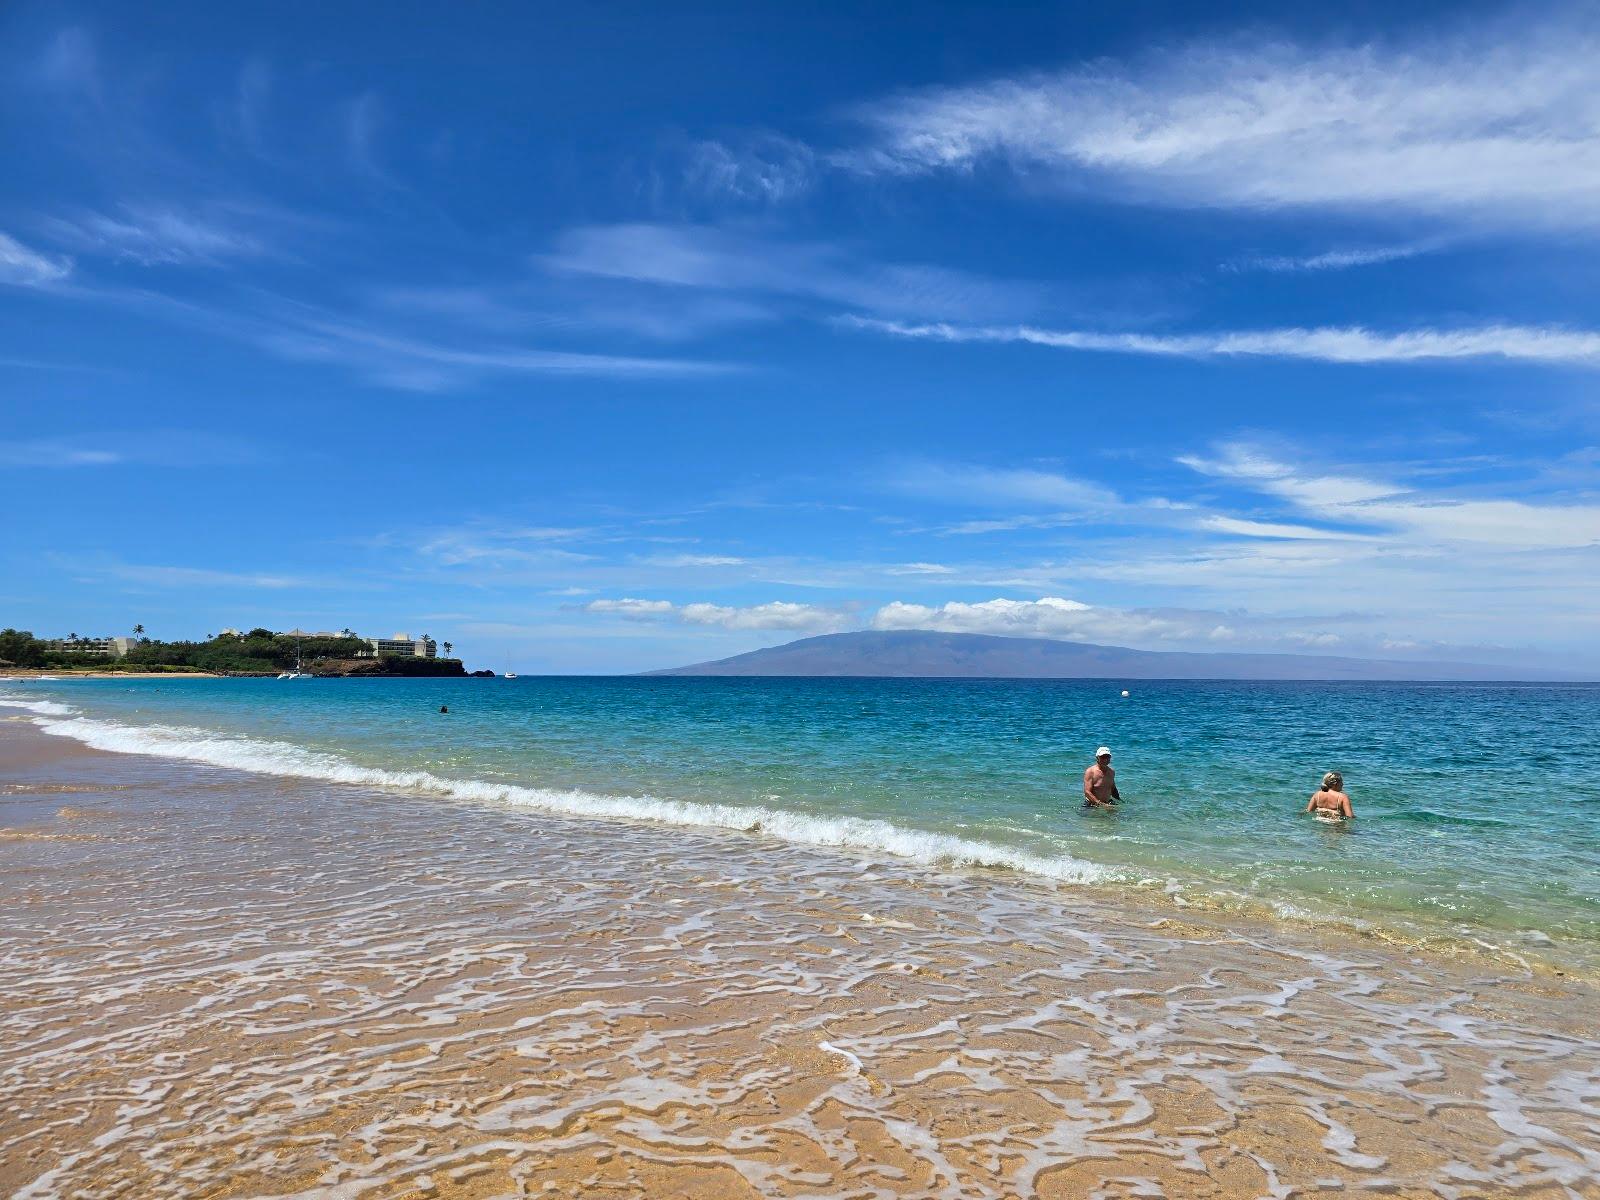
[[1100, 782], [1329, 802]]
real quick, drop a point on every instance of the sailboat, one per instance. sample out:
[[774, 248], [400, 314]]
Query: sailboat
[[297, 673]]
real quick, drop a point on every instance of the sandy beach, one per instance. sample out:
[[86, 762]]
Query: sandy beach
[[222, 985]]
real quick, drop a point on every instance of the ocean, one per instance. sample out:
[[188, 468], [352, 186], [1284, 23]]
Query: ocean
[[1478, 805]]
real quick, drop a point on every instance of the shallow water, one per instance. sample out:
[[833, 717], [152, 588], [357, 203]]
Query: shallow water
[[1478, 805]]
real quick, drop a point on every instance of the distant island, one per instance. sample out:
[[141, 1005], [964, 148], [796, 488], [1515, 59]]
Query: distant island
[[924, 654], [231, 652]]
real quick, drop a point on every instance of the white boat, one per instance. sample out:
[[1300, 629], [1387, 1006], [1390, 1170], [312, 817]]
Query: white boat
[[297, 673], [509, 675]]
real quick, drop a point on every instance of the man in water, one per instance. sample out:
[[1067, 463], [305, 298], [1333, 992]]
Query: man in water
[[1100, 782]]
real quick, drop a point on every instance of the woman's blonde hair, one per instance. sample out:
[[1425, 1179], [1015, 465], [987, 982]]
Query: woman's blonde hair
[[1333, 782]]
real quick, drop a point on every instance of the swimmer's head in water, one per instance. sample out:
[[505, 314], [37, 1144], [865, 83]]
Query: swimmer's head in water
[[1333, 782]]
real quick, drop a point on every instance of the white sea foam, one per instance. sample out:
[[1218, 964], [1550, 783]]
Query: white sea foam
[[285, 759], [44, 708]]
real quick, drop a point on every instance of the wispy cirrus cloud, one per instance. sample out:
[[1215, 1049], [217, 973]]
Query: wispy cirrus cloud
[[165, 576], [484, 544], [25, 267], [758, 169], [389, 353], [363, 122], [1496, 126], [1332, 260], [69, 62], [172, 447], [399, 359], [686, 256], [57, 452], [970, 485], [1416, 517], [1244, 527], [1551, 346], [155, 235]]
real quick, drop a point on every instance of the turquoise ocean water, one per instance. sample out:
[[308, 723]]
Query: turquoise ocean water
[[1478, 805]]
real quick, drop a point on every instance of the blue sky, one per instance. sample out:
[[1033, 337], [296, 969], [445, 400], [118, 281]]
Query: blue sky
[[609, 338]]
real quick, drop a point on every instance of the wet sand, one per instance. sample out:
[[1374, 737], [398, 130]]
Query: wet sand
[[217, 984]]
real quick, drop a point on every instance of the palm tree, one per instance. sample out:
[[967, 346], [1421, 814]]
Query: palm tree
[[72, 637], [138, 631], [447, 648]]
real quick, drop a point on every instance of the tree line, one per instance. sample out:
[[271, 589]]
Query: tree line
[[256, 651]]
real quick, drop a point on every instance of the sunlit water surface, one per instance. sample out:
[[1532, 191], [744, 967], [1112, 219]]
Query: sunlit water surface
[[1478, 805]]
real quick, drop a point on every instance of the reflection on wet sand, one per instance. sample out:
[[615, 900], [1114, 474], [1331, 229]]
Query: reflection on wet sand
[[230, 986]]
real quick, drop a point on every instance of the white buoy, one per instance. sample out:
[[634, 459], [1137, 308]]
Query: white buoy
[[1124, 693]]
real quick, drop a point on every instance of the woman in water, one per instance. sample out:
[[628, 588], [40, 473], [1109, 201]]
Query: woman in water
[[1329, 803]]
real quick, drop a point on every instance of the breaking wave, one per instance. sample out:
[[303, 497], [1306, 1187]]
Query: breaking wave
[[284, 759]]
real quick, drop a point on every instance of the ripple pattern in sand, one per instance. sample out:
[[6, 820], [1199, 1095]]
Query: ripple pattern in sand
[[245, 988]]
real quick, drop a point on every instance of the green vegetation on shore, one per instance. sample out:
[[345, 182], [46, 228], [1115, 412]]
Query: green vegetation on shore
[[259, 652]]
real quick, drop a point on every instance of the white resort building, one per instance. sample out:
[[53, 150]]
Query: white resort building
[[109, 647], [404, 645]]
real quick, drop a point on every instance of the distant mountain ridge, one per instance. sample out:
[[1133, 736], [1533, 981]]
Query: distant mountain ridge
[[925, 654]]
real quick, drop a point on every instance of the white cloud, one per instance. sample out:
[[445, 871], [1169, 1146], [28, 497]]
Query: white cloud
[[1353, 344], [693, 560], [764, 169], [29, 268], [1498, 127], [919, 568], [1051, 616], [707, 257], [160, 447], [1242, 527], [1332, 260], [630, 607], [153, 575], [155, 236], [1061, 619], [965, 485], [415, 364], [56, 452], [776, 615], [513, 545], [1422, 519]]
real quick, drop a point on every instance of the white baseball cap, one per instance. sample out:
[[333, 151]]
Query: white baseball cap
[[1104, 751]]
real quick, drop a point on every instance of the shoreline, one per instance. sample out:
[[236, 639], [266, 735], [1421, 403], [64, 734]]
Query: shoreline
[[37, 673], [404, 995], [917, 849]]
